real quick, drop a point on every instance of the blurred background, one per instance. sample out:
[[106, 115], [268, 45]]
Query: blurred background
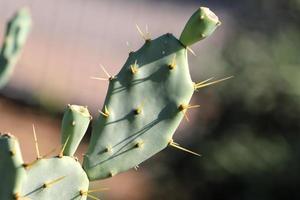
[[247, 128]]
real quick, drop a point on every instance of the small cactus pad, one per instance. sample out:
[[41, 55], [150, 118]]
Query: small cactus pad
[[55, 178], [12, 173], [16, 34], [201, 25], [74, 125], [141, 111]]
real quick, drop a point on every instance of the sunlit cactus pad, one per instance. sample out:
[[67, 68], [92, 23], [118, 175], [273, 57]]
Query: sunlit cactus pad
[[55, 178], [74, 125], [12, 173], [143, 108], [144, 105], [146, 101]]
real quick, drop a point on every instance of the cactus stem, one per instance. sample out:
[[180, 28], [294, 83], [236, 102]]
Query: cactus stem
[[173, 63], [191, 50], [49, 184], [134, 68], [176, 145], [38, 156], [207, 83], [61, 153], [105, 113]]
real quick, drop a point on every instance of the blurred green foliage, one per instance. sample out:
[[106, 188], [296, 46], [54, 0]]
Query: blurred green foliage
[[251, 147]]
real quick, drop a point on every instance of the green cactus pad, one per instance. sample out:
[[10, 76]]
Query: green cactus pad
[[55, 178], [141, 110], [201, 25], [12, 172], [16, 34], [74, 125]]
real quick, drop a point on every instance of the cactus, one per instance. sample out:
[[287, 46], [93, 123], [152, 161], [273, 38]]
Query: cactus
[[55, 178], [11, 171], [146, 101], [74, 125], [201, 25], [60, 177], [17, 31], [144, 105]]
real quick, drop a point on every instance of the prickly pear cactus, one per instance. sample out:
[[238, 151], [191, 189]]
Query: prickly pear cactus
[[65, 178], [74, 125], [59, 177], [146, 101], [55, 178], [144, 105], [17, 31], [12, 172]]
